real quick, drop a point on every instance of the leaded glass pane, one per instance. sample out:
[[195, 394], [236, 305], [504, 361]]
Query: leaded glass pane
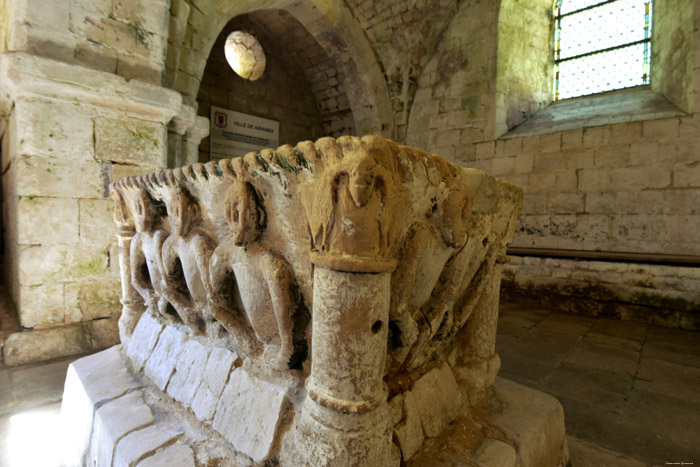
[[602, 27], [601, 46], [605, 71]]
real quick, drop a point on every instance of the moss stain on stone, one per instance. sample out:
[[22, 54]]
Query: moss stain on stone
[[142, 139]]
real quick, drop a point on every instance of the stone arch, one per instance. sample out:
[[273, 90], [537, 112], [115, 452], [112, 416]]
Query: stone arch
[[195, 27]]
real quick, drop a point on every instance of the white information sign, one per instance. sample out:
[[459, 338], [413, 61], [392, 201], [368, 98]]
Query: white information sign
[[236, 134]]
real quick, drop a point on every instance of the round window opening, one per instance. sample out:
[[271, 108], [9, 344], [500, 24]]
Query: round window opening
[[245, 55]]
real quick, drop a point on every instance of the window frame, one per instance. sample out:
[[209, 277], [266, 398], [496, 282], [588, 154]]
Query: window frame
[[646, 41]]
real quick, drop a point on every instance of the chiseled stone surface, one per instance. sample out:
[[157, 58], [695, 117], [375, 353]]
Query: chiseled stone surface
[[248, 414], [188, 372], [161, 364], [44, 344], [144, 339], [213, 381], [89, 382], [104, 375], [177, 455], [534, 421], [495, 453], [439, 407], [139, 444], [409, 431], [114, 420]]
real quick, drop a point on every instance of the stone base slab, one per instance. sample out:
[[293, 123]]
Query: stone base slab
[[38, 345], [114, 417]]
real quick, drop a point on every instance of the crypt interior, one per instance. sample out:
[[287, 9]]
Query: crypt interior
[[600, 286]]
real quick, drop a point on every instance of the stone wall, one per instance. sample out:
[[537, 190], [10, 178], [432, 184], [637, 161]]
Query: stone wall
[[71, 132], [282, 93], [617, 173], [123, 37], [82, 106]]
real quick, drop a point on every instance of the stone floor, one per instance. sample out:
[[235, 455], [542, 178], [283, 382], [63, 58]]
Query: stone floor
[[630, 391], [628, 387]]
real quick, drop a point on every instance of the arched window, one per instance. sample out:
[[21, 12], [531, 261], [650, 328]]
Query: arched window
[[601, 46]]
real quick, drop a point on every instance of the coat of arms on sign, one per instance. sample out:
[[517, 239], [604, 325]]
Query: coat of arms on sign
[[220, 119]]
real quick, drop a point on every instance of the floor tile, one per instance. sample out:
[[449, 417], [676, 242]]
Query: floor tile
[[670, 379]]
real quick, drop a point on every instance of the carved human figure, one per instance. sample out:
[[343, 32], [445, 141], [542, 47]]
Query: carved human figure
[[264, 281], [146, 247], [425, 285], [186, 254]]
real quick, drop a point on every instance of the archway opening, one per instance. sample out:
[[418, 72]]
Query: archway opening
[[300, 88]]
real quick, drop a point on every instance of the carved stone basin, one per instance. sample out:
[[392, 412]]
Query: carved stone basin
[[333, 303]]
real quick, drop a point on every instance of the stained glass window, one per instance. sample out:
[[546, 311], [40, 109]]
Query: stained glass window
[[600, 46]]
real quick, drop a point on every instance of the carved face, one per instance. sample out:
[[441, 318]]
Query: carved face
[[183, 211], [243, 213], [143, 211]]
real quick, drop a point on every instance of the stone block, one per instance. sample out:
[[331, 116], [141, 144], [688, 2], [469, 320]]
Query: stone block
[[595, 180], [38, 13], [188, 372], [52, 128], [89, 382], [130, 141], [45, 344], [161, 363], [524, 163], [503, 166], [93, 300], [686, 175], [561, 203], [408, 433], [550, 143], [485, 150], [96, 221], [594, 137], [655, 130], [41, 306], [626, 133], [137, 67], [438, 399], [248, 414], [214, 379], [140, 444], [114, 420], [495, 453], [47, 221], [120, 171], [548, 162], [40, 264], [104, 333], [638, 178], [104, 375], [60, 178], [541, 182], [143, 340], [612, 156], [96, 56], [533, 421], [177, 455]]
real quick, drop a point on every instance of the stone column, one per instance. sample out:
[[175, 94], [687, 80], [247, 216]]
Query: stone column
[[185, 131], [345, 418]]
